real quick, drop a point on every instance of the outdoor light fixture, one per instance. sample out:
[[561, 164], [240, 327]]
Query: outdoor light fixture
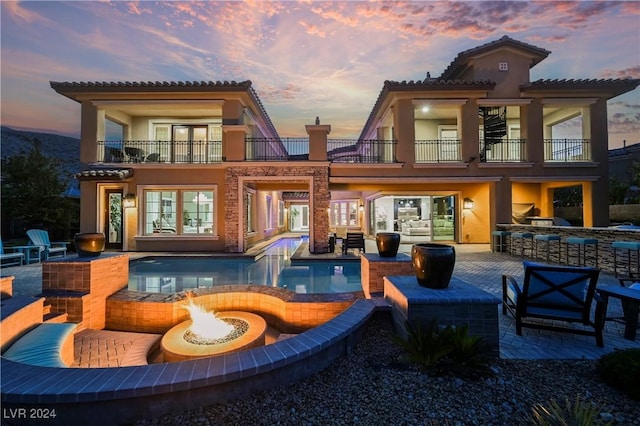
[[467, 204], [129, 200], [361, 207]]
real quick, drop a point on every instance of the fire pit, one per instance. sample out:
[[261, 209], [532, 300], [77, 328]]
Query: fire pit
[[207, 334]]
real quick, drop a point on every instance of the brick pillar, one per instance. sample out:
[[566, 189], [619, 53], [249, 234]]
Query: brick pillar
[[318, 141]]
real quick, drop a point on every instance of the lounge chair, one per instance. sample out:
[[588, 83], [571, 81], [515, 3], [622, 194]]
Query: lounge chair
[[40, 237], [555, 293], [8, 259]]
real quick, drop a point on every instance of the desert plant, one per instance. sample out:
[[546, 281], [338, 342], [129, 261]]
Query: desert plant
[[621, 369], [580, 413], [444, 350], [425, 347], [470, 355]]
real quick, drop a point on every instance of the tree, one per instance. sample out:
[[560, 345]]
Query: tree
[[32, 192], [617, 191]]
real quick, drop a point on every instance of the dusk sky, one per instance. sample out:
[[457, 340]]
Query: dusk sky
[[305, 58]]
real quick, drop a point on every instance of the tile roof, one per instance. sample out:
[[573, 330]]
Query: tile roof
[[119, 84], [581, 83], [460, 62], [105, 174]]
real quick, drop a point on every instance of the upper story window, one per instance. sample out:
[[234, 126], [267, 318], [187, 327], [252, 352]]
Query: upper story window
[[187, 142], [171, 211]]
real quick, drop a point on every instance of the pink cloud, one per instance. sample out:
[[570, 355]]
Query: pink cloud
[[632, 72], [312, 29]]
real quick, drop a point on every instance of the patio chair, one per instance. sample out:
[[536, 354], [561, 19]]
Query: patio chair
[[8, 259], [40, 237], [113, 155], [555, 293], [353, 240]]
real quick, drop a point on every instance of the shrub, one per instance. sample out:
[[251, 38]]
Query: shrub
[[581, 413], [621, 369], [446, 350]]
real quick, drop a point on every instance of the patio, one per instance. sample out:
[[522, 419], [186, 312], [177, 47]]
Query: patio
[[475, 264]]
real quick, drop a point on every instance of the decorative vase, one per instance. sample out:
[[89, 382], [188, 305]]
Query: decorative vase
[[388, 243], [89, 244], [433, 264]]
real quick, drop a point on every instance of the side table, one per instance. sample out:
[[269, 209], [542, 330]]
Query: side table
[[630, 298], [31, 253]]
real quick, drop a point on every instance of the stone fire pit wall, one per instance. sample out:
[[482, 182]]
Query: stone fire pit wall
[[460, 304]]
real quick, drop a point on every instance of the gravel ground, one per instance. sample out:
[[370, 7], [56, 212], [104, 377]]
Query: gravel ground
[[375, 386]]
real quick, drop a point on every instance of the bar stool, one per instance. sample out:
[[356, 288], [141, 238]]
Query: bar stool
[[546, 240], [582, 244], [522, 237], [501, 236], [623, 268]]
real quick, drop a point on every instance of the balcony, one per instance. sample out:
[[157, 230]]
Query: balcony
[[567, 150], [502, 150], [150, 151], [364, 151], [438, 150], [276, 149]]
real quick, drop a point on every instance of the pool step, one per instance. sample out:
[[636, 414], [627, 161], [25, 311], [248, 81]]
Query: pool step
[[55, 317]]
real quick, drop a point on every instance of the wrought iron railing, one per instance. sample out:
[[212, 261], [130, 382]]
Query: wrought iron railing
[[567, 150], [276, 149], [502, 150], [150, 151], [437, 150], [369, 151]]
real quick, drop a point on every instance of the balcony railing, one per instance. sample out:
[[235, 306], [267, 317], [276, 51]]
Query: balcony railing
[[502, 150], [567, 150], [149, 151], [438, 150], [276, 149], [366, 151]]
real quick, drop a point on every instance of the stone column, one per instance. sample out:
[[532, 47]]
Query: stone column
[[318, 141]]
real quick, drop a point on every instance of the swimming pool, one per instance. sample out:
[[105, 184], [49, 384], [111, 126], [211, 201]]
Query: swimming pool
[[274, 269]]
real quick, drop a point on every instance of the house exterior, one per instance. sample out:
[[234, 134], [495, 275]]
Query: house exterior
[[198, 166]]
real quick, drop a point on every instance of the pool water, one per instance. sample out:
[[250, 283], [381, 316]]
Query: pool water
[[273, 269]]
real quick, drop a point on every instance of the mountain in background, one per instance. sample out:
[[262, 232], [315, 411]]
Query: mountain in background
[[63, 149]]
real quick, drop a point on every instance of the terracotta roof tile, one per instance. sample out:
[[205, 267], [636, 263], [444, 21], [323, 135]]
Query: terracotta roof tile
[[105, 174]]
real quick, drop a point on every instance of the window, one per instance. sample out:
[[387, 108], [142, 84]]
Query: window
[[269, 213], [179, 212], [503, 66], [280, 213], [159, 212], [449, 148], [197, 212], [344, 213], [250, 221]]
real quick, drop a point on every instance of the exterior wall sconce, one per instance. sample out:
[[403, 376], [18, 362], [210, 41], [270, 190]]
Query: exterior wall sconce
[[129, 201], [361, 207], [467, 204]]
